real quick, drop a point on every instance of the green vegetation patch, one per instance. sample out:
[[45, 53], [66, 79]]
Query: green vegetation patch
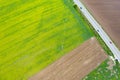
[[35, 33], [106, 71]]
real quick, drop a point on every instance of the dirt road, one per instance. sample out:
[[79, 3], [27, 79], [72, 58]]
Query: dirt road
[[74, 65]]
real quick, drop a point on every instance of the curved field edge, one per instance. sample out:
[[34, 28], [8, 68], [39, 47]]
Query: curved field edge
[[35, 33]]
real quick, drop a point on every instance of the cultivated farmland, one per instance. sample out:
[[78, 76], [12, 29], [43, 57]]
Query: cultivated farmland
[[35, 33], [76, 64], [107, 13]]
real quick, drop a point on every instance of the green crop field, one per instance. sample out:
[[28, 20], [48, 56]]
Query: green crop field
[[35, 33]]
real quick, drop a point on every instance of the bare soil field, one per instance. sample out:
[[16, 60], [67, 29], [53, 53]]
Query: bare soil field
[[74, 65], [107, 13]]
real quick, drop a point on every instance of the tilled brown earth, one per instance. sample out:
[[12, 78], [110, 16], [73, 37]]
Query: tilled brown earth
[[74, 65], [107, 13]]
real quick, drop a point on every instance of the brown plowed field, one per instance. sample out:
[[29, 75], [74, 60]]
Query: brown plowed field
[[74, 65], [107, 13]]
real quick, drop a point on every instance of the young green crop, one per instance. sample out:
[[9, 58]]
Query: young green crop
[[35, 33]]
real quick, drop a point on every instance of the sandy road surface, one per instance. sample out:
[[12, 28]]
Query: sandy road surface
[[74, 65], [107, 13]]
